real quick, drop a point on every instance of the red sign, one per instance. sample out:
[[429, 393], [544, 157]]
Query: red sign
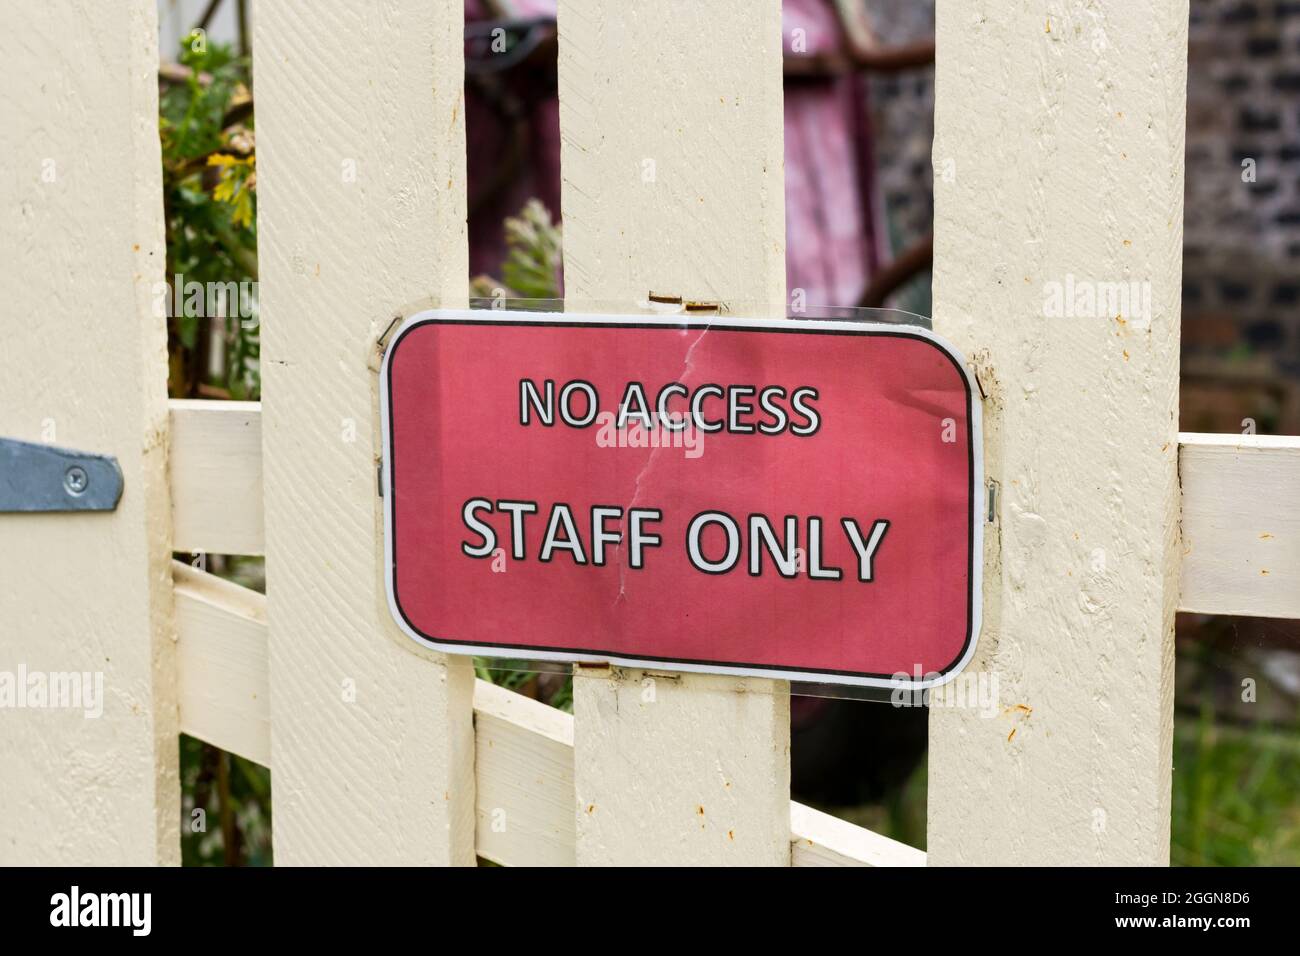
[[778, 498]]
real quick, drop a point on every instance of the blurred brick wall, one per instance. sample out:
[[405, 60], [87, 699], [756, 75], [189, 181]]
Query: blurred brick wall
[[902, 107], [1241, 251], [1241, 268]]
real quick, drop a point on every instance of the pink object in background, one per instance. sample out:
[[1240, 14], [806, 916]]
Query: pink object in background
[[835, 239], [833, 222]]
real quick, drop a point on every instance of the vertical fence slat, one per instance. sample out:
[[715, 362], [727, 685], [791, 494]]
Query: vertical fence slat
[[1058, 162], [84, 365], [360, 126], [671, 118]]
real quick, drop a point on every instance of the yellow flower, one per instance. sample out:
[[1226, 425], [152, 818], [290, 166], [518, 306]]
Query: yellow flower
[[237, 174]]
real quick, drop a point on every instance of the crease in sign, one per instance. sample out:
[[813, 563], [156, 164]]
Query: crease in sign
[[688, 366], [637, 651]]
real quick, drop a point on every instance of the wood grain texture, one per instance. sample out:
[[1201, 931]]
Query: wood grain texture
[[681, 769], [672, 182], [215, 463], [1241, 524], [224, 670], [523, 770], [1058, 156], [83, 365], [361, 176], [672, 152]]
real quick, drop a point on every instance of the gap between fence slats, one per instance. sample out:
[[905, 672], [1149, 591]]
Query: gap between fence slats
[[223, 669]]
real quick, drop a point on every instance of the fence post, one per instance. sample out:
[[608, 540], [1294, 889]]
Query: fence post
[[86, 597], [361, 181], [1058, 160], [671, 121]]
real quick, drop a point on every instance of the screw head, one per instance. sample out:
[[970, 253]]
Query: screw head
[[75, 480]]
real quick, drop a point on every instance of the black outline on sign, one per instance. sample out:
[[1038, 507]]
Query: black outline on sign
[[971, 597]]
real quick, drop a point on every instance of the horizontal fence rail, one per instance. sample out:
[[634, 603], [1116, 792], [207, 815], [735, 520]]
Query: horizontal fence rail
[[1241, 524], [223, 663], [1241, 506], [523, 765], [216, 468]]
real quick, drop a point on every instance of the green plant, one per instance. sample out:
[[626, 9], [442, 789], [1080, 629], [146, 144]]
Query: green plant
[[209, 168], [209, 196], [226, 805], [532, 266], [553, 686], [531, 271]]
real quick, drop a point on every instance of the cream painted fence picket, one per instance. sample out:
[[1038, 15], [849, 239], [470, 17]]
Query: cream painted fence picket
[[1054, 155]]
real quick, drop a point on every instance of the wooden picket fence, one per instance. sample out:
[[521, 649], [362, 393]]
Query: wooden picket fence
[[1055, 154]]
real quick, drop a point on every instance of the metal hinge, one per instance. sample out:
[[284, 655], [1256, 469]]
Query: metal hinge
[[36, 477]]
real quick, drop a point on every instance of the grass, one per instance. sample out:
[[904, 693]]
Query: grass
[[1236, 795]]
